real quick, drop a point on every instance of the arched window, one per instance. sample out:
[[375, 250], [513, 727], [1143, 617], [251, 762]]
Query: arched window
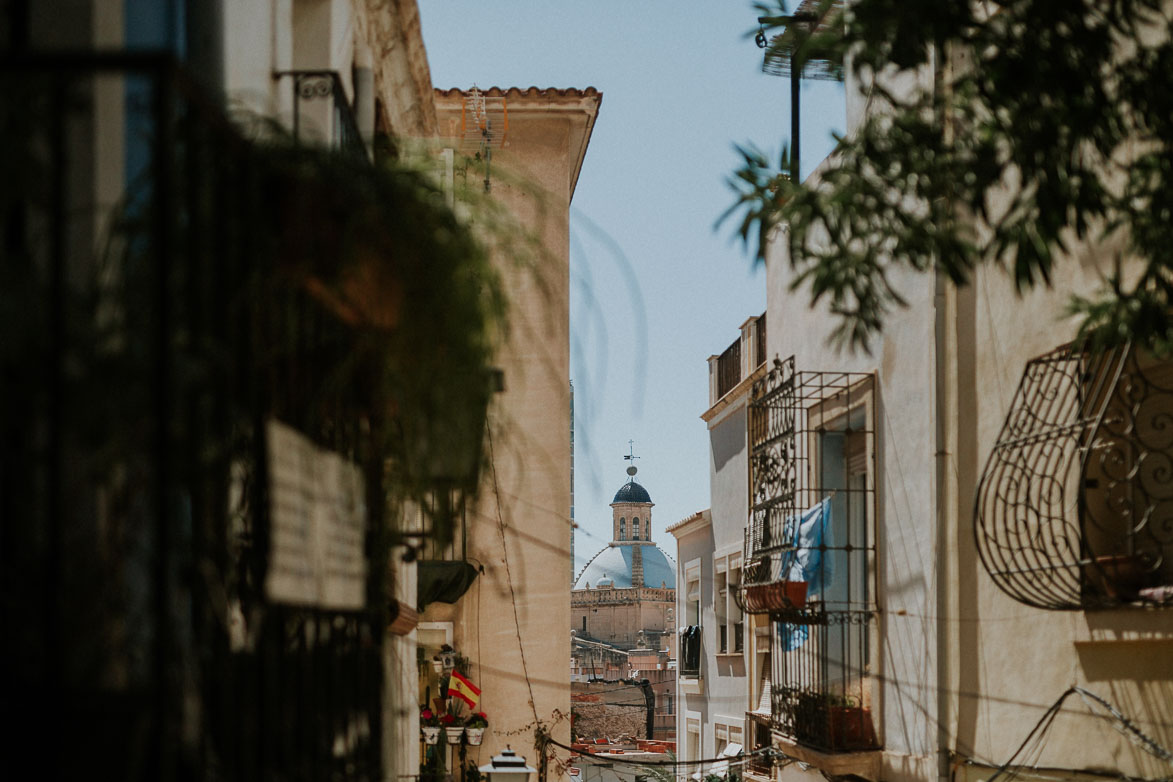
[[648, 530], [635, 528], [622, 528]]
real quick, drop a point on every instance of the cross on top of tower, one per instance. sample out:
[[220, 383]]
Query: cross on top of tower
[[631, 457]]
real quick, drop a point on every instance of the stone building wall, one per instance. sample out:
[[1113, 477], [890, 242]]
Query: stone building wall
[[617, 616], [608, 710]]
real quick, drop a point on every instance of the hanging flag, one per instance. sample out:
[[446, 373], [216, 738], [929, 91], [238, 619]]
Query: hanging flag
[[462, 688]]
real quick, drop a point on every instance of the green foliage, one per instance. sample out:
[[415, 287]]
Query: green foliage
[[1050, 123]]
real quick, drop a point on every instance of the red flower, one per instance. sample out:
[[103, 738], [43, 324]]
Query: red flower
[[448, 719]]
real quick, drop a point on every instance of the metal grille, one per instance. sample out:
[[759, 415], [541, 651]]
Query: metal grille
[[142, 359], [812, 536], [1075, 506], [729, 369]]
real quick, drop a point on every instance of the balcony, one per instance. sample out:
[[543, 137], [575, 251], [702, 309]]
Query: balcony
[[321, 111], [1075, 505], [738, 361], [810, 551]]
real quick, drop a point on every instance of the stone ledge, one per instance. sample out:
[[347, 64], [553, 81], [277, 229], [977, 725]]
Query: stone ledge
[[861, 764]]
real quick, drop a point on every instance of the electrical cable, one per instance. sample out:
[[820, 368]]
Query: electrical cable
[[767, 751], [509, 577]]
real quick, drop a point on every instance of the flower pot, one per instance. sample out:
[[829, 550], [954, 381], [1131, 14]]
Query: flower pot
[[1117, 576], [454, 735], [776, 596], [474, 735], [851, 728], [438, 666], [431, 734]]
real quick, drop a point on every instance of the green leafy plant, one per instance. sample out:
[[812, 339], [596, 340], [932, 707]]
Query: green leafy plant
[[1046, 129]]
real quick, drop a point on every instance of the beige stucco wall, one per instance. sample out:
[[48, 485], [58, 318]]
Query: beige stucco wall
[[1018, 658], [1004, 663], [514, 623]]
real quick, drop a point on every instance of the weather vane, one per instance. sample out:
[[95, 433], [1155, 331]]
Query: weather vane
[[631, 457]]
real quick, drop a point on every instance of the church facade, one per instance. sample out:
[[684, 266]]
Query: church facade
[[629, 587]]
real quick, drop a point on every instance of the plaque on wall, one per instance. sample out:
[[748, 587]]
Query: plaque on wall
[[317, 515]]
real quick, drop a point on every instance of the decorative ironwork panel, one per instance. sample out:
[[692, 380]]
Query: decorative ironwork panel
[[822, 696], [1075, 506], [810, 550], [812, 488]]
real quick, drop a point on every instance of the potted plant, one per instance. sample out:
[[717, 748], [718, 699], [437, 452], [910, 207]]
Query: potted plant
[[1118, 576], [453, 729], [429, 726], [833, 722], [850, 724], [474, 727]]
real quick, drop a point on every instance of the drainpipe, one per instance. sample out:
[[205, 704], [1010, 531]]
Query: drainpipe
[[945, 410]]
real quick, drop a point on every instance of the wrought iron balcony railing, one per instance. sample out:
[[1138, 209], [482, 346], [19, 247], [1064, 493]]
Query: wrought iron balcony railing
[[810, 550], [1075, 506], [322, 112]]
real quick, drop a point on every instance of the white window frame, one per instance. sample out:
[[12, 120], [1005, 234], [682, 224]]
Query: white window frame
[[726, 562]]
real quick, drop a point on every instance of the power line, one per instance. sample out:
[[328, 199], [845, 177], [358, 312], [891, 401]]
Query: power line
[[673, 762], [509, 577]]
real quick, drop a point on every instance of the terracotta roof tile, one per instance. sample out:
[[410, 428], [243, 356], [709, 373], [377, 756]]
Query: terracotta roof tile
[[531, 92]]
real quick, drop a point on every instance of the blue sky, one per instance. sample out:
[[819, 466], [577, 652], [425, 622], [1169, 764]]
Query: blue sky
[[655, 288]]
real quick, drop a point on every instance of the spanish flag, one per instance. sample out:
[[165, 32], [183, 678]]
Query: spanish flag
[[462, 688]]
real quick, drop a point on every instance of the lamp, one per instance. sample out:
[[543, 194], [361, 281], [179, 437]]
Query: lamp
[[507, 767]]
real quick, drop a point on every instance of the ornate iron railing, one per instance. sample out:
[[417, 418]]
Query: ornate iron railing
[[810, 549], [336, 122], [1075, 505], [822, 694], [148, 340]]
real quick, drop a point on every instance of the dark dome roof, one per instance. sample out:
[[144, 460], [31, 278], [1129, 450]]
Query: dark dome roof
[[632, 492]]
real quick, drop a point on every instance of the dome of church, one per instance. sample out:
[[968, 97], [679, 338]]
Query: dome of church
[[615, 563], [632, 492]]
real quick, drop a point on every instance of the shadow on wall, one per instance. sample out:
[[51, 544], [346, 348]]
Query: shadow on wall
[[728, 439]]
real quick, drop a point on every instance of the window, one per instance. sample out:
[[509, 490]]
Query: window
[[690, 640], [736, 619], [693, 747], [720, 595], [728, 616], [622, 528], [635, 528], [812, 533]]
